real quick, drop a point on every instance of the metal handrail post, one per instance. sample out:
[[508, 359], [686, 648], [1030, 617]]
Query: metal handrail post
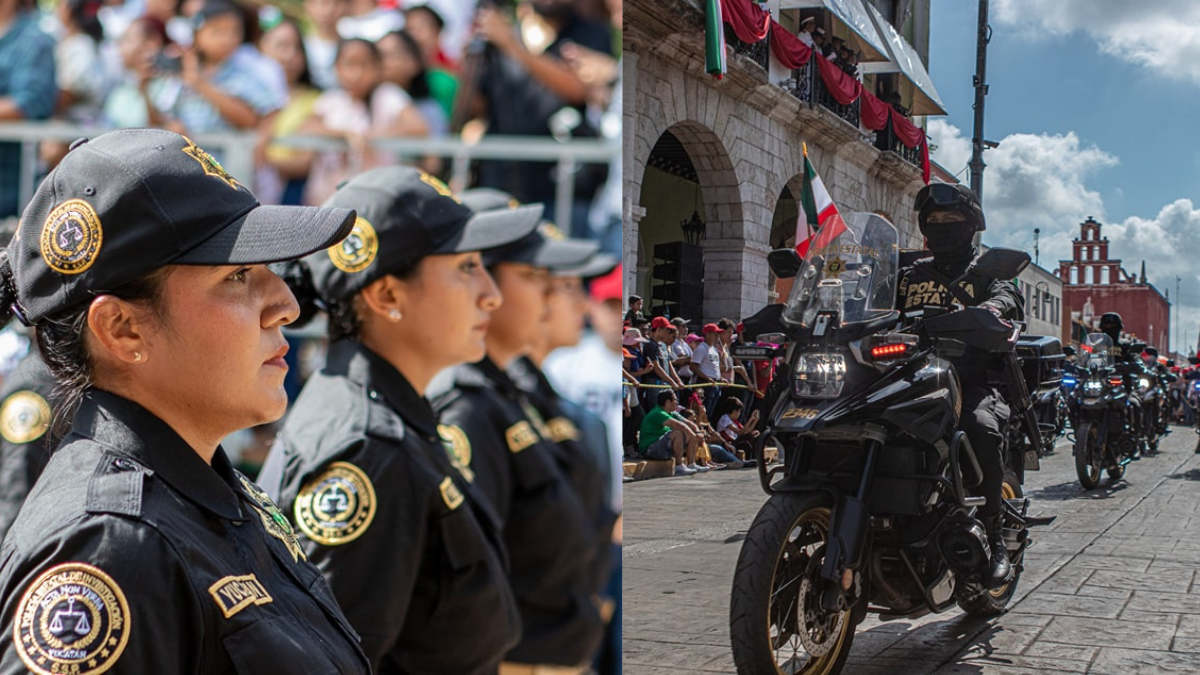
[[564, 192]]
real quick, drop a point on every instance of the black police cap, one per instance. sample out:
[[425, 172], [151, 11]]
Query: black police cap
[[547, 247], [132, 201], [405, 215]]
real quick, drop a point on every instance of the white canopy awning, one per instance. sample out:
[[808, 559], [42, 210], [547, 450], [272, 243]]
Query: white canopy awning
[[855, 16], [925, 97]]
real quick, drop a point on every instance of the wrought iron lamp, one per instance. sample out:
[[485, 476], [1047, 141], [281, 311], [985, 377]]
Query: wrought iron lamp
[[693, 228]]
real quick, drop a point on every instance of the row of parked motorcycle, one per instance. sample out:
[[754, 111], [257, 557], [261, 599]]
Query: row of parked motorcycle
[[1117, 409]]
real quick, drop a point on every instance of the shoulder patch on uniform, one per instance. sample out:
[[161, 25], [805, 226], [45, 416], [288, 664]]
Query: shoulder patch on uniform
[[337, 506], [24, 417], [233, 594], [563, 429], [272, 518], [73, 619], [458, 449], [520, 436], [450, 493]]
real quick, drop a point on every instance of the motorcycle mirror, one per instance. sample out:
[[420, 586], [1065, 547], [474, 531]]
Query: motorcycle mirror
[[1068, 350], [1170, 363], [1138, 346], [1002, 263], [784, 262]]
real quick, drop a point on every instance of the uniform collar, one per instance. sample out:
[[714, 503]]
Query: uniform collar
[[371, 371], [497, 377], [128, 429]]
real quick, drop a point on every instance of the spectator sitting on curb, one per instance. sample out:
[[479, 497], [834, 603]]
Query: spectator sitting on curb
[[714, 450], [665, 434], [733, 433]]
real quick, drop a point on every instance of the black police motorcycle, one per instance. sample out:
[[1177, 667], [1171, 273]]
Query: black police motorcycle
[[873, 507], [1110, 431]]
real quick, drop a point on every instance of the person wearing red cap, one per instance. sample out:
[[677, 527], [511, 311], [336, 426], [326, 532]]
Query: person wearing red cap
[[659, 354]]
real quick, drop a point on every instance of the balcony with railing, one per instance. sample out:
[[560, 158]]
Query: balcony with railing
[[757, 52]]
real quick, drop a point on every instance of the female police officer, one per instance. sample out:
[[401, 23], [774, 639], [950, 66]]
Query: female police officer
[[391, 517], [525, 474], [142, 264]]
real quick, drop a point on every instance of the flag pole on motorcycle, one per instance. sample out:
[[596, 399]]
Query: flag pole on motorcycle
[[822, 220]]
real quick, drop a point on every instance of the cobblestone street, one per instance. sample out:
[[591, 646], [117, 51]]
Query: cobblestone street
[[1110, 588]]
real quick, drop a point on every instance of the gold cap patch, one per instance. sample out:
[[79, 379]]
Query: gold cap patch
[[442, 189], [520, 436], [450, 493], [211, 166], [358, 250], [24, 417], [71, 237], [458, 449], [337, 506], [233, 594], [73, 619]]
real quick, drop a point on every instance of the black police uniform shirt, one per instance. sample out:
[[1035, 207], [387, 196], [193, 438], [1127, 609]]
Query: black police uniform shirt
[[546, 526], [577, 462], [921, 284], [409, 547], [26, 414], [134, 556]]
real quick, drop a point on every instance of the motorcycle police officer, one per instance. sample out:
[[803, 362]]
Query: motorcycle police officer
[[1124, 354], [949, 216]]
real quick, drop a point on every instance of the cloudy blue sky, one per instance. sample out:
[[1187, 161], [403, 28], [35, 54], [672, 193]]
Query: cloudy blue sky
[[1096, 105]]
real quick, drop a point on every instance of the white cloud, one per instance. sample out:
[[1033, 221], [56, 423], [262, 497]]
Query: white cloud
[[1163, 35], [1040, 181]]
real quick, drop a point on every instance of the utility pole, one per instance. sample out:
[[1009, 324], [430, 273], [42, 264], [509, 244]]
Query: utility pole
[[981, 42], [1177, 302]]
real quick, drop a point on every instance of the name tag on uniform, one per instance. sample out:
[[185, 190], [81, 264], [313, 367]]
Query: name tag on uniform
[[520, 436], [450, 494], [562, 429], [233, 594]]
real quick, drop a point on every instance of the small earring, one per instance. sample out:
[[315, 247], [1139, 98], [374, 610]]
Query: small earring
[[137, 357], [394, 315]]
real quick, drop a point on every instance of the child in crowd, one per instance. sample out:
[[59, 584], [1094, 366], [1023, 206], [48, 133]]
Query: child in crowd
[[288, 167], [365, 108]]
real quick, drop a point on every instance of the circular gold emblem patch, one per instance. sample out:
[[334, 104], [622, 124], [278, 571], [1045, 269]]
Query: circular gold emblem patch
[[458, 449], [337, 506], [73, 619], [24, 417], [357, 250], [71, 237]]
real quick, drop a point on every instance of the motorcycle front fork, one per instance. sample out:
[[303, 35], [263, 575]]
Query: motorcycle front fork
[[848, 531]]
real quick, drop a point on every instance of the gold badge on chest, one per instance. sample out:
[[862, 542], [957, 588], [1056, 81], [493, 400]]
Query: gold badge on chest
[[272, 519]]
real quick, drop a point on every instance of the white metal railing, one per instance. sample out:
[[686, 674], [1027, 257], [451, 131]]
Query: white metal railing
[[237, 153]]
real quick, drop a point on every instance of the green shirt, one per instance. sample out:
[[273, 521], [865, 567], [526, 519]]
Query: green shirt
[[654, 426]]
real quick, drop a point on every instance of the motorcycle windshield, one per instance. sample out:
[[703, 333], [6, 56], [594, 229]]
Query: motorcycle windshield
[[850, 269], [1099, 350]]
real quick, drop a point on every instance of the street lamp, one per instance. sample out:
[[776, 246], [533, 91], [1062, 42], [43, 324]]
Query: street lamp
[[693, 228]]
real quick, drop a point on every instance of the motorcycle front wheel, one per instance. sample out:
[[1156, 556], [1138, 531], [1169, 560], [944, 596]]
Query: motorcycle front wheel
[[1089, 456], [777, 625]]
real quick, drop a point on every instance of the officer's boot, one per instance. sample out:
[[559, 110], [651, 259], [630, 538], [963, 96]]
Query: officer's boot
[[1000, 570]]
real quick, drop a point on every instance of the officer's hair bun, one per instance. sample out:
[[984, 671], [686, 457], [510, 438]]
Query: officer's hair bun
[[299, 279]]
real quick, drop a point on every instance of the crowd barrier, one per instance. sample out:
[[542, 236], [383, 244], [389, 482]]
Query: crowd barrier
[[237, 152]]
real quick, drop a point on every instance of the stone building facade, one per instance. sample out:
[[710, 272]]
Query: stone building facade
[[742, 136]]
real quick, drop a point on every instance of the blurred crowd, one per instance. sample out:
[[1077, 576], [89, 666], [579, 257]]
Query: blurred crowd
[[356, 70]]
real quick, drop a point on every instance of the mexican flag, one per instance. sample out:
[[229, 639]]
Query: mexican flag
[[714, 39], [822, 221]]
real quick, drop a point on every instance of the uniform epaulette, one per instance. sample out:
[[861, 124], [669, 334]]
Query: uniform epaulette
[[116, 487]]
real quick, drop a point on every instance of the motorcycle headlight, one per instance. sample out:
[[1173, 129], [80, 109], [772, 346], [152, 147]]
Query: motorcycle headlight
[[1143, 385], [820, 375], [1093, 388]]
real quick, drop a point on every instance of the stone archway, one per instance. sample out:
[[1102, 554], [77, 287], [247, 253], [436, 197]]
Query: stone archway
[[688, 176]]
